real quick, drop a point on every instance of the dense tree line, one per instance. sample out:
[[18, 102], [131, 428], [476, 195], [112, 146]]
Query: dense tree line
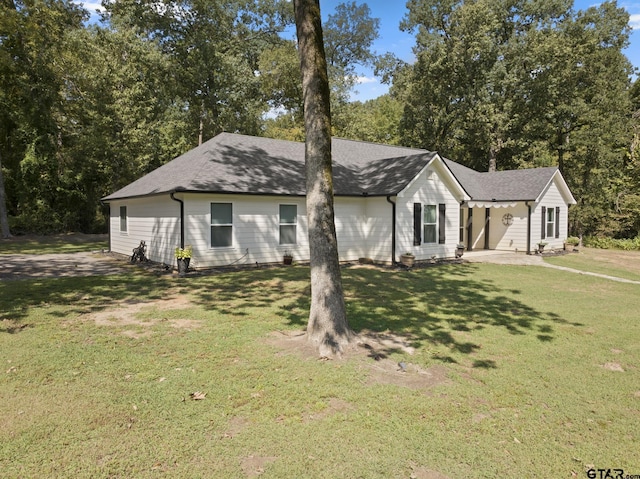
[[86, 108]]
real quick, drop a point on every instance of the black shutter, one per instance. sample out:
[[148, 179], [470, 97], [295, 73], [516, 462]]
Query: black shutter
[[543, 231], [557, 222], [442, 233], [417, 224]]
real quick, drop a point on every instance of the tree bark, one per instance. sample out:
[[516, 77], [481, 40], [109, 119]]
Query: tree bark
[[327, 328], [4, 219]]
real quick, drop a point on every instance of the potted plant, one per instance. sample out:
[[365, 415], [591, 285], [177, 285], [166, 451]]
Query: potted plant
[[571, 242], [183, 257], [541, 246], [459, 250], [287, 258], [407, 259]]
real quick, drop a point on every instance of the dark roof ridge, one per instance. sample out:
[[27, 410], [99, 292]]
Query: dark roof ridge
[[387, 145]]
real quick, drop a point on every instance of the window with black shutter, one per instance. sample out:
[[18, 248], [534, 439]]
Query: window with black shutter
[[442, 232]]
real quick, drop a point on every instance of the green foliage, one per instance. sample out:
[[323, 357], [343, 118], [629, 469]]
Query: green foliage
[[525, 84], [573, 240], [184, 253], [604, 242], [375, 120]]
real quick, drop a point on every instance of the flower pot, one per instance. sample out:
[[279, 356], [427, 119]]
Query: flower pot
[[459, 251], [183, 266], [407, 260], [540, 248], [287, 260]]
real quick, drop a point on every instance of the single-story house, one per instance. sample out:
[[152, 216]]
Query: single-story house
[[240, 199]]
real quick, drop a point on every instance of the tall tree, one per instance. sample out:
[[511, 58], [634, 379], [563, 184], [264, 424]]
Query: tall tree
[[32, 39], [214, 46], [327, 328], [519, 83], [4, 217], [348, 36]]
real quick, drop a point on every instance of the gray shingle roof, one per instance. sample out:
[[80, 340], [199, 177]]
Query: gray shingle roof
[[232, 163], [509, 185]]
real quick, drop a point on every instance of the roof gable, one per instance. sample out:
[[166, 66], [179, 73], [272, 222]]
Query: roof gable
[[508, 185]]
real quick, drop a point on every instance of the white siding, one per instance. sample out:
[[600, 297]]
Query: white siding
[[550, 198], [351, 228], [255, 230], [508, 237], [378, 229], [154, 220], [364, 226], [428, 188]]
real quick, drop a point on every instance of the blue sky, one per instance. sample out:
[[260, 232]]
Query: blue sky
[[391, 12]]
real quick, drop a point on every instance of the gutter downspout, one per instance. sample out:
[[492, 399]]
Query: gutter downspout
[[108, 205], [393, 230], [528, 227], [181, 217]]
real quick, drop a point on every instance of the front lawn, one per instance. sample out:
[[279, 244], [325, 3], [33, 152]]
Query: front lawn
[[60, 243], [622, 264], [524, 372]]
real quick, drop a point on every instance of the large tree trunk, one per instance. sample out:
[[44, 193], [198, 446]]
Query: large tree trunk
[[327, 328], [4, 221]]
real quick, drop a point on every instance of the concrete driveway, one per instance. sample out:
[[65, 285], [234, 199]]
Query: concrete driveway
[[21, 266]]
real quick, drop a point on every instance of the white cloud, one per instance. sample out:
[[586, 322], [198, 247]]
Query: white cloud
[[364, 80], [634, 21]]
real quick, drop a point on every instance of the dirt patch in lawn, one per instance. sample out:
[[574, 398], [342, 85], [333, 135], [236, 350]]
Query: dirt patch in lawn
[[128, 315], [370, 350], [254, 466]]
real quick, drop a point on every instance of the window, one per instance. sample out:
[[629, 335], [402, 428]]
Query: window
[[221, 224], [429, 224], [123, 219], [551, 217], [288, 224]]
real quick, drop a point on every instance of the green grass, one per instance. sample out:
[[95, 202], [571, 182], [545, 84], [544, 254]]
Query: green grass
[[621, 264], [523, 347], [62, 243]]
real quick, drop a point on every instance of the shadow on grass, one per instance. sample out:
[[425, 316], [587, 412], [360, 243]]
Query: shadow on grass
[[428, 306], [438, 308], [78, 295]]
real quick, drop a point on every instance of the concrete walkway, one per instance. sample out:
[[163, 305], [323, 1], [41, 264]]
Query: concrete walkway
[[503, 257]]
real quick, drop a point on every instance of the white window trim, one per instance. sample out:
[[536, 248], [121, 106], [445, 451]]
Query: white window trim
[[126, 220], [435, 224], [211, 225], [280, 224], [551, 212]]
